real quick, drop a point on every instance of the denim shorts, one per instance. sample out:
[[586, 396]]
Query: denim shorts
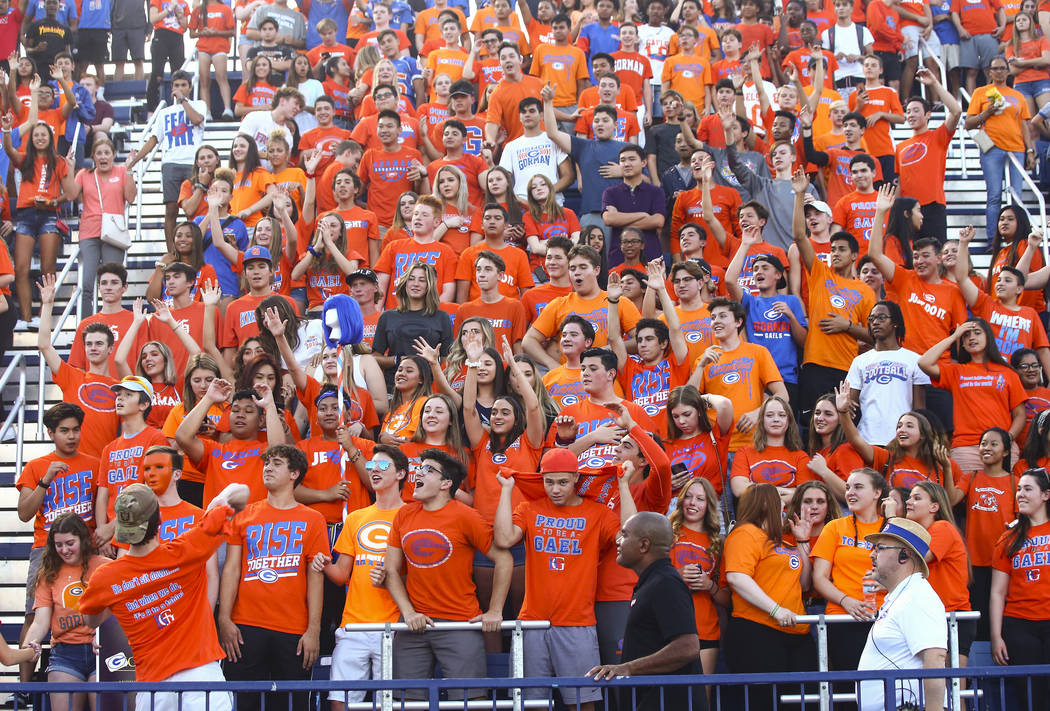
[[74, 659], [1032, 89], [33, 222]]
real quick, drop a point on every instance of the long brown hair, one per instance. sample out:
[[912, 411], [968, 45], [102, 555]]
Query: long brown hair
[[51, 562], [926, 451], [792, 438], [710, 524], [689, 396], [760, 506]]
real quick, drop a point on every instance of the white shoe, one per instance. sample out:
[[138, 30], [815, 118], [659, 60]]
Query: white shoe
[[34, 323], [21, 326]]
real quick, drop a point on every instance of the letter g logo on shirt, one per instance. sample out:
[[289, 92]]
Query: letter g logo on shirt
[[426, 547]]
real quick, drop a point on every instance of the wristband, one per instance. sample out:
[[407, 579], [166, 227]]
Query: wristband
[[472, 363], [844, 596], [313, 251], [614, 301], [41, 485], [801, 542], [201, 186], [562, 442], [773, 612]]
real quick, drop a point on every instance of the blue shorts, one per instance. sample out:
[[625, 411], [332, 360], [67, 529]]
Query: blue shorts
[[77, 660], [1032, 89], [518, 552], [33, 222]]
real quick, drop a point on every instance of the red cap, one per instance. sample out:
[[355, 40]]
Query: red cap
[[559, 460]]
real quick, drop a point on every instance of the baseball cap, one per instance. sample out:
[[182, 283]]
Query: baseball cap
[[134, 508], [186, 269], [559, 460], [820, 206], [135, 384], [777, 264], [257, 252], [362, 274], [913, 535], [461, 87]]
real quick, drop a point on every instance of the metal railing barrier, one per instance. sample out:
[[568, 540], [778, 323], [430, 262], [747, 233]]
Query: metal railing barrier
[[143, 165]]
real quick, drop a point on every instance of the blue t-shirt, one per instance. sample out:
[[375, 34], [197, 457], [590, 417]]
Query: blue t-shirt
[[946, 31], [772, 330], [320, 10], [600, 39], [407, 70], [95, 14], [464, 5], [231, 227], [67, 9], [590, 155]]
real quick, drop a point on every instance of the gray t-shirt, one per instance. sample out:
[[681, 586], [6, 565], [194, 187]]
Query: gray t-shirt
[[289, 22]]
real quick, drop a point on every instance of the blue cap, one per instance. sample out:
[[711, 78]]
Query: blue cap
[[257, 252], [911, 534]]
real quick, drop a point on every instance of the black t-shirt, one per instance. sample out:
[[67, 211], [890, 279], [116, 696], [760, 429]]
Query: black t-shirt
[[660, 143], [661, 609], [397, 331], [278, 51], [57, 36]]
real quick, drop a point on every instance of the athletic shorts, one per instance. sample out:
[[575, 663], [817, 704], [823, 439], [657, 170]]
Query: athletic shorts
[[562, 651], [912, 33], [171, 177], [978, 51], [35, 556], [461, 654], [92, 45], [357, 656], [129, 44]]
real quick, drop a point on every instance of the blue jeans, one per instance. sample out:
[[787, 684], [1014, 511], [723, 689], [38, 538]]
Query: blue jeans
[[992, 164]]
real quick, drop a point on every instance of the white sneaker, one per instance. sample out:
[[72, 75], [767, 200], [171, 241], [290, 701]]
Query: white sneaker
[[21, 326], [34, 323]]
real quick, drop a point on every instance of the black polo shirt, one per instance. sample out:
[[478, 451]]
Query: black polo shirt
[[661, 609]]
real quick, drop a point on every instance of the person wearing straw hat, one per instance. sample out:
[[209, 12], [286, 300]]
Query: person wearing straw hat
[[910, 631]]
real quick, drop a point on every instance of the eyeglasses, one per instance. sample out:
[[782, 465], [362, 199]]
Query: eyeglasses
[[889, 548], [384, 95], [425, 469], [878, 317], [683, 280], [1029, 366], [378, 465], [630, 241]]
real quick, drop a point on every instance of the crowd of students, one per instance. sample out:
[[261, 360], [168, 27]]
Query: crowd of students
[[757, 323]]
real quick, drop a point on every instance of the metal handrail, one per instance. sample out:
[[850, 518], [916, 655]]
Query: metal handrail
[[56, 330], [18, 410], [1015, 196], [145, 163], [940, 65], [822, 621], [963, 135]]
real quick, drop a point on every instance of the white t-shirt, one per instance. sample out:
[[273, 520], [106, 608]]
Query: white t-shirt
[[885, 380], [177, 136], [525, 157], [259, 125], [846, 43], [910, 621], [654, 42]]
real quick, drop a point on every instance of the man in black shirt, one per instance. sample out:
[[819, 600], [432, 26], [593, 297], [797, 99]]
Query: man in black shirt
[[46, 38], [661, 629], [280, 55]]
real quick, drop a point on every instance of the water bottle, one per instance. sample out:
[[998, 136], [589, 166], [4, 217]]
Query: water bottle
[[869, 587]]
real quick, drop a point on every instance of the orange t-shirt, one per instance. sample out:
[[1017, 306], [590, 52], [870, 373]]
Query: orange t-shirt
[[626, 99], [774, 465], [219, 17], [589, 416], [1013, 328], [503, 103], [72, 491], [177, 630], [259, 95], [977, 18], [920, 163], [949, 569], [932, 310], [191, 320], [507, 317], [175, 417], [323, 140], [649, 386], [336, 50], [705, 454], [101, 425], [990, 508], [1030, 297], [121, 461], [855, 212], [398, 255], [695, 324], [689, 75], [427, 21], [364, 537], [439, 547], [844, 547], [249, 190], [595, 310], [1032, 49], [384, 174], [694, 548], [357, 405], [564, 386], [880, 99], [777, 568], [39, 183], [516, 276], [520, 456], [633, 69], [403, 421], [562, 68], [326, 468], [277, 546], [232, 462], [741, 375], [725, 204], [119, 324], [562, 547], [185, 191], [170, 22], [907, 471], [63, 595], [1027, 596], [536, 298], [176, 519], [1003, 128], [983, 396], [239, 323]]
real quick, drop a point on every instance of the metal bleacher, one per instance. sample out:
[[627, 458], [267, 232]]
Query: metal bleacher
[[966, 203]]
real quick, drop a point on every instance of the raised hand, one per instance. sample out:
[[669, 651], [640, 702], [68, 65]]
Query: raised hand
[[211, 294], [219, 390], [655, 270], [614, 289], [46, 286], [966, 234], [273, 323], [887, 194], [566, 427], [799, 181]]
